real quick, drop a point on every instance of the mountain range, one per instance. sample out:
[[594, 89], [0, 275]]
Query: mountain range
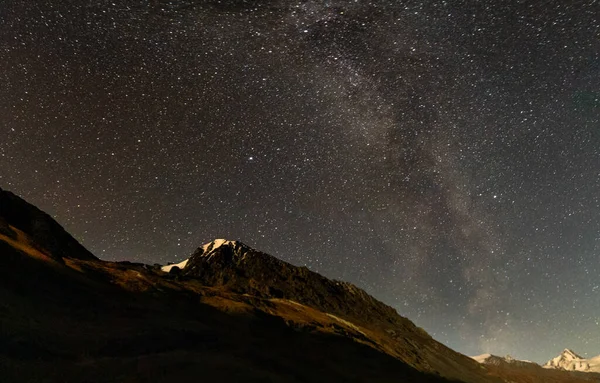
[[514, 370], [228, 313]]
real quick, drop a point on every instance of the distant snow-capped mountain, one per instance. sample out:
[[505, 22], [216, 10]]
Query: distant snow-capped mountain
[[514, 370], [495, 360], [570, 361], [207, 250]]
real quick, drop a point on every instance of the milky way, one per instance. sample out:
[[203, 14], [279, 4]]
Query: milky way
[[445, 156]]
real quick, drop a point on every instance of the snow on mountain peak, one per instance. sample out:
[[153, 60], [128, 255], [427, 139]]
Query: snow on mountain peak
[[208, 248], [498, 360], [218, 243], [569, 360], [168, 268], [481, 358], [567, 353], [237, 248]]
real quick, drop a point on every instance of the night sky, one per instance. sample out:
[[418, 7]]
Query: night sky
[[444, 156]]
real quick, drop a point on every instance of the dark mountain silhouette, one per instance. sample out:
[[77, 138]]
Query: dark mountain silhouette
[[241, 269], [236, 267], [229, 314], [45, 232]]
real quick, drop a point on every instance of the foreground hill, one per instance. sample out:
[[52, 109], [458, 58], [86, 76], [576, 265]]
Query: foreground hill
[[229, 313], [42, 231]]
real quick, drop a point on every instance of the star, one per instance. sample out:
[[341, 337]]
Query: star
[[374, 142]]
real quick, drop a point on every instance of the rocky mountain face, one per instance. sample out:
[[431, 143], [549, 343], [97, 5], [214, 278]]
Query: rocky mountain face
[[238, 268], [570, 361], [241, 269]]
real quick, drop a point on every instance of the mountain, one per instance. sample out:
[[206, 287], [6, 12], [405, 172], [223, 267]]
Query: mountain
[[490, 359], [570, 361], [236, 267], [228, 313], [67, 316], [513, 370], [17, 216]]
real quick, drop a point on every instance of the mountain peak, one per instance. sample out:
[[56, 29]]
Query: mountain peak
[[220, 242], [237, 267], [571, 354], [482, 358], [236, 247], [570, 361], [495, 360], [210, 250]]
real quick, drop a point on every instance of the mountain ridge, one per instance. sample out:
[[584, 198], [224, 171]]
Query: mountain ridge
[[228, 312], [220, 262], [60, 302], [514, 370], [45, 232]]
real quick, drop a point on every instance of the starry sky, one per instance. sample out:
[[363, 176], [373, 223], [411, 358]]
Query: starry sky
[[442, 155]]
